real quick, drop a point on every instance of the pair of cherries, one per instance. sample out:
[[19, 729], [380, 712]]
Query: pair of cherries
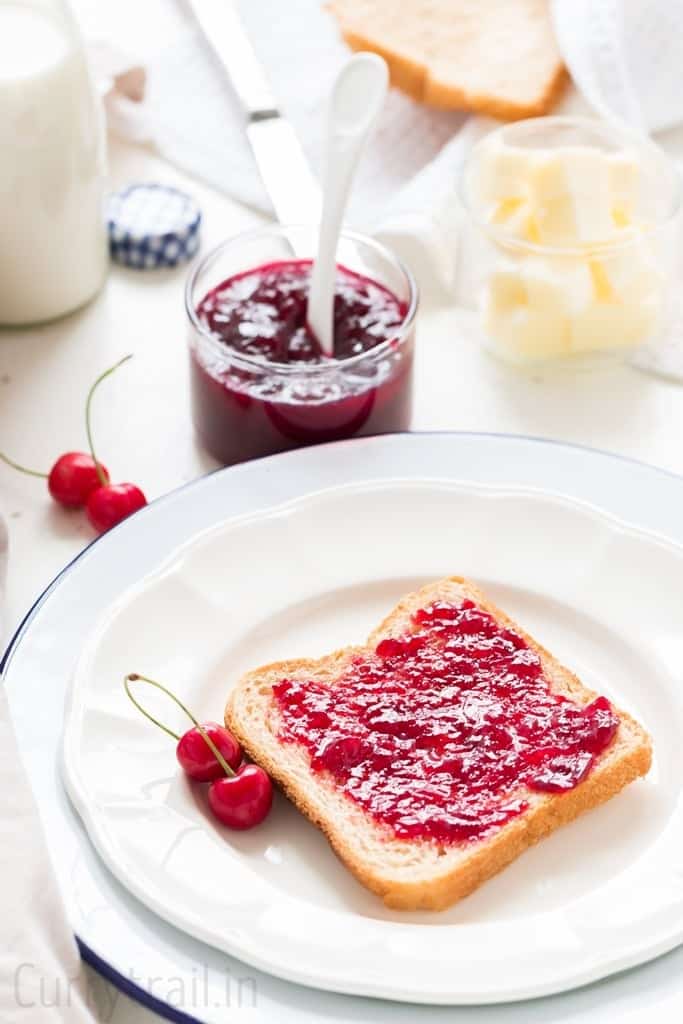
[[80, 480], [240, 794]]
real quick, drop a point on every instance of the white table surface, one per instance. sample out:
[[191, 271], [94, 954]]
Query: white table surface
[[142, 421]]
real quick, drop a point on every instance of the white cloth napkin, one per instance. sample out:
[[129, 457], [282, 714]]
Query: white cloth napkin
[[4, 548], [626, 57], [41, 977]]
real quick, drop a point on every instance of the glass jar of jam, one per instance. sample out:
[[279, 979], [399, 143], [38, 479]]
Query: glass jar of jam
[[260, 383]]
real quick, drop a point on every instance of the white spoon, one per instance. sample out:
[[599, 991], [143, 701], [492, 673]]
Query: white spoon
[[357, 98]]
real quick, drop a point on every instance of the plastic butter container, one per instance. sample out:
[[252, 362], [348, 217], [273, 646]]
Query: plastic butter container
[[577, 227]]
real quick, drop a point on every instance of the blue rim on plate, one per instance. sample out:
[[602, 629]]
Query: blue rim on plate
[[89, 956], [130, 989]]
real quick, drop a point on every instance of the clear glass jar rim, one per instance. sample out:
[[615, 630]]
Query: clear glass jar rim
[[501, 237], [304, 369]]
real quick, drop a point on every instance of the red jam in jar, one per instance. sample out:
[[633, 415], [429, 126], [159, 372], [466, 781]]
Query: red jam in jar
[[442, 733], [260, 382]]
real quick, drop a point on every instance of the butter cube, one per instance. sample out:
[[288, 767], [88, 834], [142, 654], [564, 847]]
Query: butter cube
[[502, 172], [571, 196], [560, 285], [563, 285], [627, 274], [506, 289], [524, 314], [518, 220], [604, 326], [624, 178], [525, 334]]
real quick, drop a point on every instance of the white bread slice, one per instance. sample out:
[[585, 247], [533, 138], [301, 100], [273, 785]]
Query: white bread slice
[[498, 57], [424, 875]]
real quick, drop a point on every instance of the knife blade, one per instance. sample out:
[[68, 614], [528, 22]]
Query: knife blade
[[287, 177]]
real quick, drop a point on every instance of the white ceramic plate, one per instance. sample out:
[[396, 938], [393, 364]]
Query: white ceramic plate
[[602, 894]]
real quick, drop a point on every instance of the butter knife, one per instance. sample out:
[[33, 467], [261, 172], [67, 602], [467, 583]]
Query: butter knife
[[289, 182]]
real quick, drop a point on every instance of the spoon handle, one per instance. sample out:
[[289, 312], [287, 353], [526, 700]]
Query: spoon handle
[[357, 98], [341, 165]]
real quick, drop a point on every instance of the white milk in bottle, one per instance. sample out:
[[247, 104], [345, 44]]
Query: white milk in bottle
[[53, 249]]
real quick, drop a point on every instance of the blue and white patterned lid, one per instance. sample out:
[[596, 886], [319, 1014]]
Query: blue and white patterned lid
[[152, 226]]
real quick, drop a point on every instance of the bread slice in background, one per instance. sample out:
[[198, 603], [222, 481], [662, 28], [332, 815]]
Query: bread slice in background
[[421, 874], [498, 57]]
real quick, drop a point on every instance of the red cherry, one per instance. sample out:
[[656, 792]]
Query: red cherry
[[76, 478], [243, 800], [108, 505], [198, 760], [73, 478], [242, 796]]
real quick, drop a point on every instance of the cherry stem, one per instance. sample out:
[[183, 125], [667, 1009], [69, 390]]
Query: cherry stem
[[22, 469], [134, 677], [100, 474]]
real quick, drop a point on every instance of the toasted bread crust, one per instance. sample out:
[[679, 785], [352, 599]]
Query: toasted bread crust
[[417, 80], [614, 769]]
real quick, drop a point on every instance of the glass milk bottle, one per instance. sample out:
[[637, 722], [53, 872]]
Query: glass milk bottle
[[53, 247]]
